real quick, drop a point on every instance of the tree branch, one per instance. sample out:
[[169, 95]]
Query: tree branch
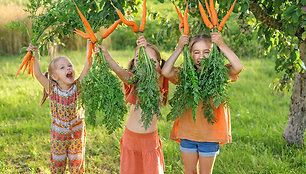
[[271, 22], [262, 16], [299, 32]]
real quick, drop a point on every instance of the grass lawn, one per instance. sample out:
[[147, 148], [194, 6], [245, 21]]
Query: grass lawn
[[258, 120]]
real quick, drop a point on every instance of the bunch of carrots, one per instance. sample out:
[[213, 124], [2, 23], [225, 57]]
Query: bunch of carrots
[[145, 76], [187, 92], [213, 15], [210, 84], [213, 78], [27, 62], [89, 35], [96, 93]]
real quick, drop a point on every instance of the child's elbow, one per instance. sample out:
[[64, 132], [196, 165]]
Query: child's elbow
[[234, 73], [236, 69], [239, 69]]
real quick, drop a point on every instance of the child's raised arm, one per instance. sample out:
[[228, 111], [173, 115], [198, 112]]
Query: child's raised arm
[[43, 80], [236, 65], [168, 69], [86, 66], [123, 74]]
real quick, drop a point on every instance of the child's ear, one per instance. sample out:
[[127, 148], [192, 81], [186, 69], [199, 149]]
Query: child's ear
[[54, 77]]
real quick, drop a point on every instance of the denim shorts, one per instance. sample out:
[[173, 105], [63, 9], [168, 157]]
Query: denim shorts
[[206, 149]]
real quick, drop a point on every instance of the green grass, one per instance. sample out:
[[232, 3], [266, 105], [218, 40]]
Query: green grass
[[258, 120], [17, 2]]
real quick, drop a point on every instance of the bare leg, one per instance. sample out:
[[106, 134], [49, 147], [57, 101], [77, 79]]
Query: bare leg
[[190, 162], [206, 164]]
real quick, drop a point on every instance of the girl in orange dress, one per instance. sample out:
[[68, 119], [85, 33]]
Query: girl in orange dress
[[200, 141]]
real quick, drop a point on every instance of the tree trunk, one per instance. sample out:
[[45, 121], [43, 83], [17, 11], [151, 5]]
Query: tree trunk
[[294, 132]]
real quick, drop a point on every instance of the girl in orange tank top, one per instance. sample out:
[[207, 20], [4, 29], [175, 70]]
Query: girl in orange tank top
[[200, 140]]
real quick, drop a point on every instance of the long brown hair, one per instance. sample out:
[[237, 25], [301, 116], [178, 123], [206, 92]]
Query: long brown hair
[[161, 63], [48, 74]]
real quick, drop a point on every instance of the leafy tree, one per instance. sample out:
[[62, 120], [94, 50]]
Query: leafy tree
[[282, 23]]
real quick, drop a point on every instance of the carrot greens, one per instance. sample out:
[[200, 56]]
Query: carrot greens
[[145, 77], [187, 92], [102, 91], [147, 88], [207, 85], [214, 82]]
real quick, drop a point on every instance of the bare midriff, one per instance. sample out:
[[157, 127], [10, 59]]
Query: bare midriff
[[135, 124]]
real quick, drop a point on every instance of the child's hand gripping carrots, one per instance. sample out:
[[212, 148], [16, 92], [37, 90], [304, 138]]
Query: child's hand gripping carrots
[[28, 61]]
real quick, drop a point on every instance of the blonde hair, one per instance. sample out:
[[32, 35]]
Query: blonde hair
[[197, 38], [49, 74]]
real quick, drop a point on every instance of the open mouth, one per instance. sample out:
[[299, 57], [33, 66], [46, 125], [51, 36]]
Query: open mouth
[[69, 75]]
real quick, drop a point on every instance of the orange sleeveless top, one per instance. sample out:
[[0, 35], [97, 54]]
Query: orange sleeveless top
[[130, 93]]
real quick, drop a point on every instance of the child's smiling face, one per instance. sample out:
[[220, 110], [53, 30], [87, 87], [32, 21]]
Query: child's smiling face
[[200, 50], [63, 71]]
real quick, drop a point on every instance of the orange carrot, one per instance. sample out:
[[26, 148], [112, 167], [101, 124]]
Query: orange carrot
[[124, 20], [91, 47], [135, 28], [87, 26], [204, 17], [132, 24], [226, 17], [111, 29], [186, 25], [26, 58], [32, 66], [208, 9], [179, 14], [29, 68], [25, 67], [214, 17], [181, 26], [143, 18], [82, 34]]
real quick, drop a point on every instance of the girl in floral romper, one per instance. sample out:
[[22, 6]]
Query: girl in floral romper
[[68, 126]]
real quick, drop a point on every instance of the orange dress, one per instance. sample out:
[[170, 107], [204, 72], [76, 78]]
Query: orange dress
[[186, 128]]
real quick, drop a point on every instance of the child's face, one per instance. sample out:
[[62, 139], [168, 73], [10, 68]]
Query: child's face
[[63, 71], [152, 55], [200, 50]]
